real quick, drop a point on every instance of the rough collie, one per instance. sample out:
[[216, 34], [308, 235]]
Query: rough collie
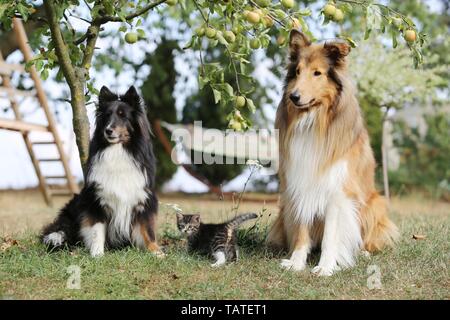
[[118, 204], [328, 195]]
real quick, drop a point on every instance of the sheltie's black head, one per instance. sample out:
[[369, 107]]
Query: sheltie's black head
[[119, 118]]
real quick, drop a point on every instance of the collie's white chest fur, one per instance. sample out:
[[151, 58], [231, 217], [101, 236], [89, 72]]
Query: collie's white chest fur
[[121, 186], [308, 189]]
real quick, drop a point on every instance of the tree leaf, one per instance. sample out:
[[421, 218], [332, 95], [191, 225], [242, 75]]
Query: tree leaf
[[217, 95], [229, 89], [373, 17], [251, 105]]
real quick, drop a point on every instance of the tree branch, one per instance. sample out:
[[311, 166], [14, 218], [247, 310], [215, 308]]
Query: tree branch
[[61, 48], [92, 36], [105, 19]]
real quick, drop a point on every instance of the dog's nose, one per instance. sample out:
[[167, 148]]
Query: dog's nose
[[295, 96], [108, 131]]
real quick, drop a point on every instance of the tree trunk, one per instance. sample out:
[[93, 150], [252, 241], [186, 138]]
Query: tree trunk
[[76, 79], [80, 122], [384, 156]]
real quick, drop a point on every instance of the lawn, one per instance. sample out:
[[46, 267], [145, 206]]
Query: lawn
[[414, 269]]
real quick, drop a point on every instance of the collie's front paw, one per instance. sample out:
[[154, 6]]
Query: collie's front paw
[[217, 264], [97, 251], [292, 265], [324, 271]]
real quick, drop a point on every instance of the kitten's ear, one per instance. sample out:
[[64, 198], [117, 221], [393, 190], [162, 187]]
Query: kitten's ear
[[131, 97], [196, 218], [106, 95], [297, 41], [179, 216]]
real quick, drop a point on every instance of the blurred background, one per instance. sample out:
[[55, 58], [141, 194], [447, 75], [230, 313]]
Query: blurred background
[[407, 107]]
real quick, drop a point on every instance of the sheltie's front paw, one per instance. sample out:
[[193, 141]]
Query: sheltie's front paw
[[292, 265], [54, 239]]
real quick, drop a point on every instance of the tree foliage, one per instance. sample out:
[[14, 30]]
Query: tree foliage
[[238, 27], [424, 158]]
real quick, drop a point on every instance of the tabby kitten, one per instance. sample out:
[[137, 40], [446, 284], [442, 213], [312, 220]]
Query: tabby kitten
[[218, 240]]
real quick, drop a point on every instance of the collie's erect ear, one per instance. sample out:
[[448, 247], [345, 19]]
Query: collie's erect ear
[[297, 41], [131, 97], [336, 51], [106, 95]]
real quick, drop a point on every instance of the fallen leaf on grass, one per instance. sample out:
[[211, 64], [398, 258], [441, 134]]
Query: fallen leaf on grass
[[419, 236], [175, 277], [8, 242]]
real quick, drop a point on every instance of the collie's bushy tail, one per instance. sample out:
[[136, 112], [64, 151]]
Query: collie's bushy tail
[[233, 223], [377, 229]]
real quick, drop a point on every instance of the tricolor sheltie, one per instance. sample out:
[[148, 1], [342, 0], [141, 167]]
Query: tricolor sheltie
[[328, 197], [118, 204]]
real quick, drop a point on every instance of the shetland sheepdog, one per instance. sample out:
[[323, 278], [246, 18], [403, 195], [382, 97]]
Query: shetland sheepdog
[[118, 204], [327, 190]]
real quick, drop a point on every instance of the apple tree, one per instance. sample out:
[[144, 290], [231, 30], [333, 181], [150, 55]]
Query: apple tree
[[238, 27]]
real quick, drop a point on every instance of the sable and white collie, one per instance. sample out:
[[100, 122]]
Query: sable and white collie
[[328, 195], [118, 204]]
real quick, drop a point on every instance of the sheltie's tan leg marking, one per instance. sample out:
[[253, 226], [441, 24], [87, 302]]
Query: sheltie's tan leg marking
[[301, 248], [150, 242], [94, 237]]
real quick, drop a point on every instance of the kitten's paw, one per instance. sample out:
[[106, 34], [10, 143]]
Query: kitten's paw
[[159, 254], [292, 265], [324, 271], [55, 239]]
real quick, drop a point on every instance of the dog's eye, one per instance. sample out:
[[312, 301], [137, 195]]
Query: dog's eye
[[317, 73], [120, 113], [298, 71]]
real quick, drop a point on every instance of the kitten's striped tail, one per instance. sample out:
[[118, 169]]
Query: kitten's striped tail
[[240, 219]]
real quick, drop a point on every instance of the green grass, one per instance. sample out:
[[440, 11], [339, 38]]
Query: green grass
[[414, 269]]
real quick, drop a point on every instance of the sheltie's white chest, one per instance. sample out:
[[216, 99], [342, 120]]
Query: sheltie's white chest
[[120, 187], [309, 189]]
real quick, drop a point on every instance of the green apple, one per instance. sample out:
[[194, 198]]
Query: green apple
[[268, 21], [240, 101], [338, 16], [210, 33], [229, 36], [253, 17], [329, 10], [281, 40], [200, 31], [288, 4], [255, 43], [235, 125], [410, 35], [131, 37]]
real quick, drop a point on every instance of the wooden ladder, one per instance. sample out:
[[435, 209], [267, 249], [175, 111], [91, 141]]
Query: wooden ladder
[[18, 124]]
